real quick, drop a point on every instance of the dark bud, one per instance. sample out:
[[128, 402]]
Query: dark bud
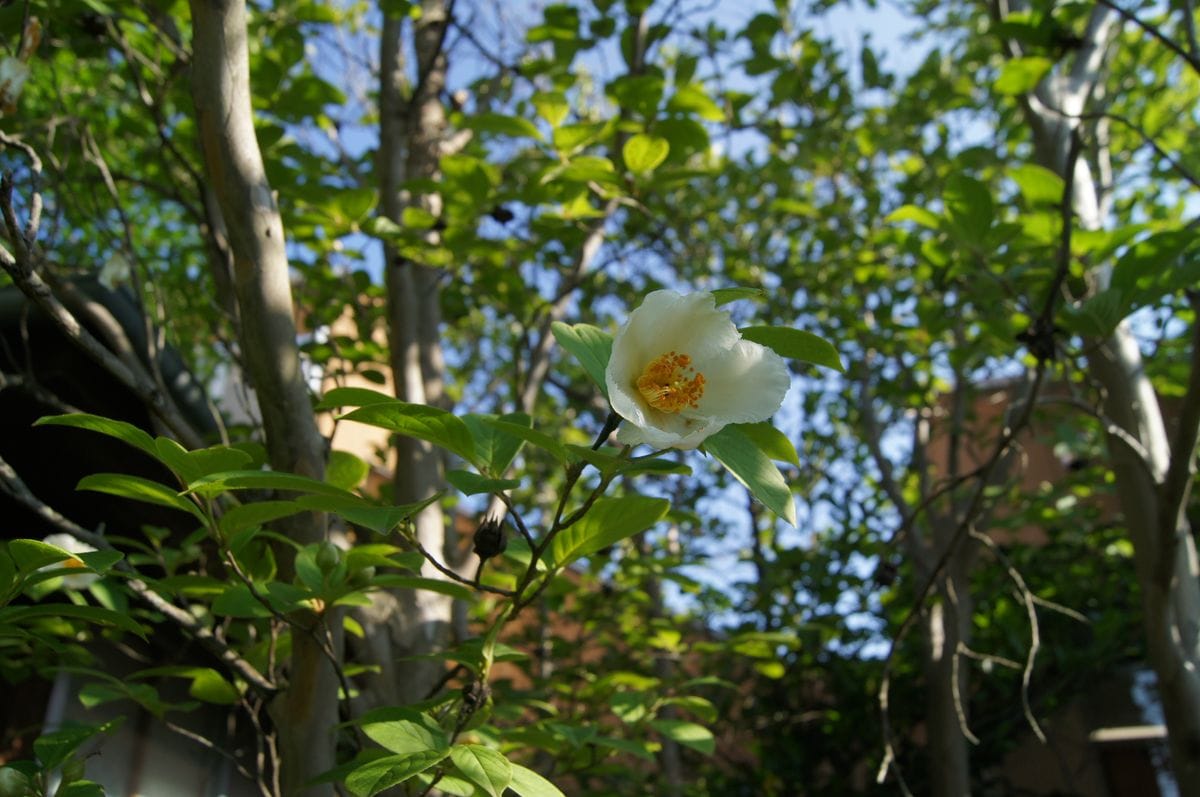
[[475, 694], [885, 574], [502, 214], [1040, 339], [93, 25], [490, 538]]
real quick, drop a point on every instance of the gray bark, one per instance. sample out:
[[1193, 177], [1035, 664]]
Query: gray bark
[[412, 128], [1142, 458], [306, 711]]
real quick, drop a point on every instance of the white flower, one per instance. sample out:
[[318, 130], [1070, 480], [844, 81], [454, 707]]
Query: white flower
[[72, 545], [680, 372]]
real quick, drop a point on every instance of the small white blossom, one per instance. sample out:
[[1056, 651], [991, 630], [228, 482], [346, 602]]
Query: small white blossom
[[71, 545], [680, 371]]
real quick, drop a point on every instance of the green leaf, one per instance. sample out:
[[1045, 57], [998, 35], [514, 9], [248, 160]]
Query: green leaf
[[473, 484], [29, 555], [377, 517], [451, 588], [139, 489], [1022, 75], [609, 521], [91, 614], [352, 397], [529, 435], [53, 748], [644, 153], [688, 734], [483, 766], [796, 344], [238, 601], [726, 295], [125, 432], [216, 483], [249, 516], [495, 448], [1156, 266], [969, 207], [192, 465], [383, 773], [500, 124], [423, 422], [589, 168], [590, 345], [551, 106], [635, 747], [693, 98], [1099, 315], [772, 442], [404, 731], [527, 783], [915, 214], [206, 683], [100, 561], [701, 707], [1038, 185], [742, 457], [345, 470]]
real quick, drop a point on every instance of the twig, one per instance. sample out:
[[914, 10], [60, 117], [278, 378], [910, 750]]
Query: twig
[[1035, 642], [208, 745], [1156, 33], [448, 573], [12, 484], [20, 267]]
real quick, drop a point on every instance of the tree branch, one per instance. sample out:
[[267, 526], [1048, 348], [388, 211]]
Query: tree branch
[[12, 484]]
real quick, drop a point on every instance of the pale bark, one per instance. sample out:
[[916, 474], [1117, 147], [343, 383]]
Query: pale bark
[[306, 712], [412, 128], [1165, 553], [947, 625]]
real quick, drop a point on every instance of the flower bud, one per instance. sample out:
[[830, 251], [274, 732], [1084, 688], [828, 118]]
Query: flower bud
[[490, 538], [328, 556]]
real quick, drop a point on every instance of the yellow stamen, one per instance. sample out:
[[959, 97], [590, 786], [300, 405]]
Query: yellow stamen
[[670, 384]]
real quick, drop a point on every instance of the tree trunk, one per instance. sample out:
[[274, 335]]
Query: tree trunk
[[1139, 449], [306, 711], [412, 125], [947, 625]]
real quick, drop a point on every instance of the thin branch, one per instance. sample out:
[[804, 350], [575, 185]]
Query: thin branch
[[1034, 631], [12, 484], [987, 658], [450, 574], [20, 267], [1156, 33], [956, 691], [207, 744]]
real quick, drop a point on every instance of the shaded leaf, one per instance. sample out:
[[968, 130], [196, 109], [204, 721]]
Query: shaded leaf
[[423, 422], [742, 457], [374, 776], [473, 484], [483, 766], [796, 344], [688, 734], [590, 345], [609, 521]]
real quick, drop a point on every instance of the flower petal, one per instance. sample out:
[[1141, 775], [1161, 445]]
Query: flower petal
[[745, 384], [665, 321]]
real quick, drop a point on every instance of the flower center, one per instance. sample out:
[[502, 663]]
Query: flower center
[[669, 383]]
